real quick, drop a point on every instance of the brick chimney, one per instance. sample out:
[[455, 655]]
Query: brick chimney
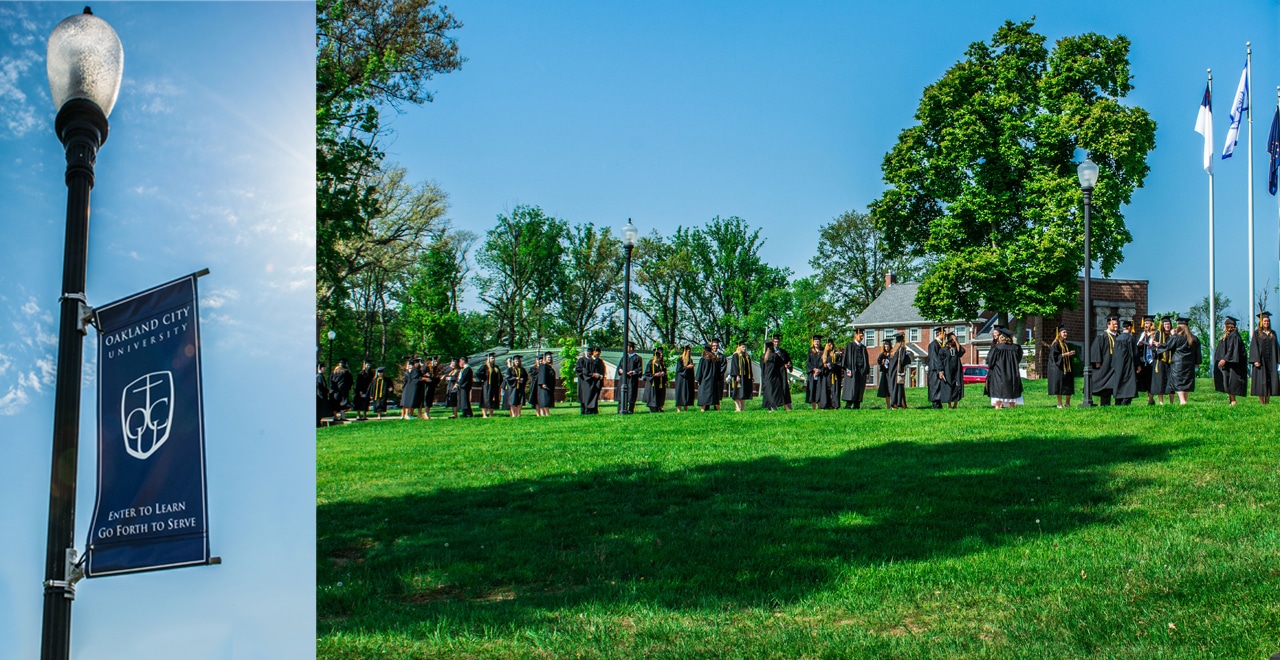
[[889, 280]]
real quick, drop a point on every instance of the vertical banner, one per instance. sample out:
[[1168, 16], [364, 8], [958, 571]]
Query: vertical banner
[[150, 510]]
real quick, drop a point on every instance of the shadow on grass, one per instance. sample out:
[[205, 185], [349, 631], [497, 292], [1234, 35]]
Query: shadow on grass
[[750, 533]]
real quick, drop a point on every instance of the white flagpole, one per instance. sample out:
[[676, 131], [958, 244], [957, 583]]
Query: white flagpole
[[1213, 312], [1248, 90]]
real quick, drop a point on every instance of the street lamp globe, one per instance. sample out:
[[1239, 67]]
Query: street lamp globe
[[85, 61], [1088, 173], [332, 335], [630, 234]]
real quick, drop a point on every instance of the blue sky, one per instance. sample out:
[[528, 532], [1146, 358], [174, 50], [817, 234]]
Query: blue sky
[[673, 112], [209, 163]]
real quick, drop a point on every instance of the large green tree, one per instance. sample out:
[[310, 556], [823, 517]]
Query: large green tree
[[660, 266], [985, 184], [851, 262], [593, 264], [729, 290], [524, 271]]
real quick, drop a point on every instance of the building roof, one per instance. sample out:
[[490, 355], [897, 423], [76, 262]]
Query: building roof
[[896, 307]]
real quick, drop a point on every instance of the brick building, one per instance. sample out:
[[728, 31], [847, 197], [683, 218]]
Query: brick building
[[1124, 298]]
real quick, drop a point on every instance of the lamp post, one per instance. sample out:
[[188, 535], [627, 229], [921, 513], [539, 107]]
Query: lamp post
[[328, 365], [629, 234], [84, 62], [1088, 174]]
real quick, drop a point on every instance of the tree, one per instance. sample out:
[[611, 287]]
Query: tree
[[522, 257], [1198, 322], [594, 263], [660, 267], [851, 262], [370, 54], [430, 305], [728, 288], [986, 183]]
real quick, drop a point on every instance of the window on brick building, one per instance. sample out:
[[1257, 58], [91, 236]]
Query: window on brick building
[[962, 333], [871, 337], [913, 335]]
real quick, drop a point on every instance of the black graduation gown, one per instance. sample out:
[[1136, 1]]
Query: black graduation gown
[[773, 381], [517, 385], [655, 391], [1124, 365], [898, 365], [322, 398], [627, 389], [1103, 379], [451, 389], [410, 390], [829, 394], [882, 363], [786, 380], [710, 377], [952, 387], [1144, 356], [1233, 378], [813, 385], [1263, 349], [1062, 378], [544, 386], [340, 391], [429, 380], [589, 387], [854, 387], [936, 366], [361, 400], [1160, 366], [1186, 355], [685, 394], [741, 378], [466, 378], [491, 382], [379, 390], [1004, 381]]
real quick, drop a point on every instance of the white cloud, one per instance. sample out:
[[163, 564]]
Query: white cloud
[[17, 113], [156, 95], [12, 401], [216, 298]]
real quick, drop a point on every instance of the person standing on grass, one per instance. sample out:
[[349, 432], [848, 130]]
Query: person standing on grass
[[899, 360], [655, 378], [466, 378], [1263, 350], [935, 378], [544, 384], [741, 380], [1146, 357], [1062, 379], [1229, 357], [409, 390], [517, 386], [1103, 379], [952, 377], [855, 366], [1186, 355], [629, 369], [340, 390], [360, 400], [723, 366], [685, 376], [786, 371], [882, 363], [590, 372], [813, 372], [829, 392], [322, 395], [1160, 363], [709, 379], [773, 380], [379, 391], [451, 387], [491, 381], [1124, 366], [1004, 380], [429, 384], [580, 371]]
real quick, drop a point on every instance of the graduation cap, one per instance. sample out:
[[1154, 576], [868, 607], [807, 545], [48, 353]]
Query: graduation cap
[[1149, 317], [939, 330], [342, 363], [548, 353], [1231, 319], [1264, 315], [716, 341], [380, 369], [1061, 327], [630, 344], [1128, 323], [900, 336], [741, 342], [492, 355], [1164, 319], [817, 337], [1112, 317], [776, 335], [1182, 320]]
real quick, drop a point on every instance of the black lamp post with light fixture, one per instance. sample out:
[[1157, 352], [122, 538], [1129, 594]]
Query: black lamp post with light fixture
[[1087, 172]]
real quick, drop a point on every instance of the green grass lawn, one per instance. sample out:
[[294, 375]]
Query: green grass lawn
[[1139, 532]]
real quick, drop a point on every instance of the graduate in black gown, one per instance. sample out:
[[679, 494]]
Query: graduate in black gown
[[466, 379], [952, 381], [1230, 374], [709, 379], [854, 363], [773, 381], [785, 403], [1146, 357], [516, 393], [813, 373], [936, 364], [430, 384], [409, 390], [741, 377], [685, 392], [655, 378], [1062, 377], [1161, 365], [1263, 351], [544, 385], [899, 361], [379, 391], [360, 396], [717, 347], [882, 365], [1124, 366], [1103, 378], [450, 381], [340, 391], [491, 379], [590, 372], [829, 394], [1186, 354], [1004, 378], [322, 395], [630, 368]]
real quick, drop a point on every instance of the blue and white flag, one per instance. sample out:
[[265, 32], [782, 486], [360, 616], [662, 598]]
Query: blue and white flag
[[1204, 126], [1238, 108]]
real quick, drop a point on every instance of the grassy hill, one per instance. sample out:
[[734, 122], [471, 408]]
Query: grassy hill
[[1134, 532]]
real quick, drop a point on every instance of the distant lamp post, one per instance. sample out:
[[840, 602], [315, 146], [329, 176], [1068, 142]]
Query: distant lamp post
[[84, 61], [1088, 173], [629, 235], [329, 363]]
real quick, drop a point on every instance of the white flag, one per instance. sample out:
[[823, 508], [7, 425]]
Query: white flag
[[1204, 126], [1238, 108]]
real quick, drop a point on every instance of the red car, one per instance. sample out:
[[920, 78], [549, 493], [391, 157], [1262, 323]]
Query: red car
[[975, 373]]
